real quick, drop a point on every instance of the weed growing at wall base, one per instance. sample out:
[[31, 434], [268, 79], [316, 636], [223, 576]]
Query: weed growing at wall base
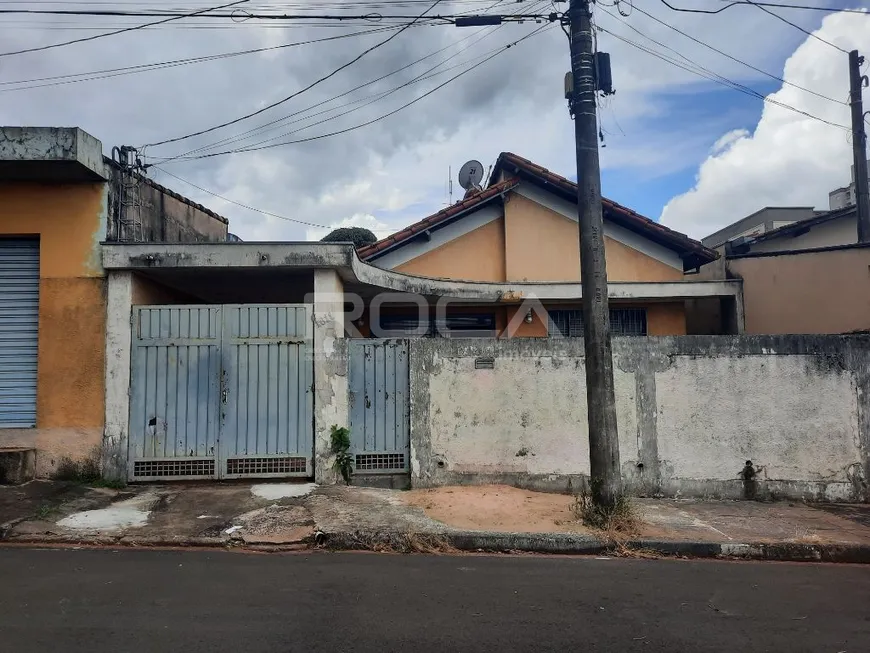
[[620, 518]]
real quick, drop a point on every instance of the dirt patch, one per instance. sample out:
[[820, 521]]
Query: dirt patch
[[497, 508]]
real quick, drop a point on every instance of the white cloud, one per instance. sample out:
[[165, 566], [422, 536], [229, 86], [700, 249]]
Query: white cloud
[[789, 159], [367, 221]]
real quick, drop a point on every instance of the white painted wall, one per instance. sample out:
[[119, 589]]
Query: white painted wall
[[480, 420], [842, 231], [693, 409], [782, 412]]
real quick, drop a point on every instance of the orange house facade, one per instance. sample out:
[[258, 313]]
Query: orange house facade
[[522, 229]]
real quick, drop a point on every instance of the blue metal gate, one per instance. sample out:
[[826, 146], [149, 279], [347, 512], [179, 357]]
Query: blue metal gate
[[220, 392], [379, 405], [267, 426]]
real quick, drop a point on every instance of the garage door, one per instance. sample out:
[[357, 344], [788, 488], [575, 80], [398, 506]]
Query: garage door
[[19, 318]]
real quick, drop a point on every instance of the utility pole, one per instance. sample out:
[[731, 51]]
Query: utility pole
[[606, 481], [587, 77], [859, 145]]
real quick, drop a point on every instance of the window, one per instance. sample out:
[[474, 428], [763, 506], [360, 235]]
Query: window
[[458, 325], [623, 322]]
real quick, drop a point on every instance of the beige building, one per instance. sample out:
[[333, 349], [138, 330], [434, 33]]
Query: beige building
[[523, 228]]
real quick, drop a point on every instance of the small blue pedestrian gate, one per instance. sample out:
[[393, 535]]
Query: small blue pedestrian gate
[[379, 405], [221, 392]]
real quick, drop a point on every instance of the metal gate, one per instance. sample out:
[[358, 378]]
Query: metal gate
[[379, 405], [220, 392]]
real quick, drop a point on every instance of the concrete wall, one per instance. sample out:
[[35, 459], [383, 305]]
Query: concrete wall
[[690, 411], [477, 255], [811, 292], [166, 216], [70, 221]]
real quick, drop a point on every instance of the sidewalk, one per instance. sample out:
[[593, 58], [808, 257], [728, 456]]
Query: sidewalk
[[287, 516]]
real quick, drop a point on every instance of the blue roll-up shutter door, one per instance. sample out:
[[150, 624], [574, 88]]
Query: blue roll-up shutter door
[[19, 319]]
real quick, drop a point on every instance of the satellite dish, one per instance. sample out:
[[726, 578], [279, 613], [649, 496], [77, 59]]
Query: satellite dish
[[471, 174]]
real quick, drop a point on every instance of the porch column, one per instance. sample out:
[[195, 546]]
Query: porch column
[[330, 369], [118, 310]]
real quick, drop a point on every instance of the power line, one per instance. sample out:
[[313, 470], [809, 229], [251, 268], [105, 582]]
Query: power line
[[58, 80], [120, 31], [375, 97], [379, 118], [798, 27], [762, 4], [268, 126], [378, 96], [724, 81], [297, 93], [724, 54], [244, 206]]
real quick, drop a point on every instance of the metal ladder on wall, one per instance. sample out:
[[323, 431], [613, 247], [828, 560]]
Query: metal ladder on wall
[[129, 196]]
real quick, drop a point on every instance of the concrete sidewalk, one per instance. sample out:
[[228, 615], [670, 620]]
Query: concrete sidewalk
[[281, 516]]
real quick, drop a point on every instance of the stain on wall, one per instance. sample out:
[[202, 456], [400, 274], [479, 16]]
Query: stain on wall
[[690, 411]]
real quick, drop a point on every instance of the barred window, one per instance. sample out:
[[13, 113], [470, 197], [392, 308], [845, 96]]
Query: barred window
[[623, 322]]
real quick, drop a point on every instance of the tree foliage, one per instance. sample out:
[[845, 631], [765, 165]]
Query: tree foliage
[[359, 236]]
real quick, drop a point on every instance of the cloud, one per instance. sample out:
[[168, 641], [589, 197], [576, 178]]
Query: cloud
[[394, 169], [789, 158]]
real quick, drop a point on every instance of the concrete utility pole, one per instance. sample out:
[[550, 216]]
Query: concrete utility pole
[[601, 405], [859, 145]]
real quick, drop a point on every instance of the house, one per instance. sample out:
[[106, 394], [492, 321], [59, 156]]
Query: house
[[523, 229], [809, 277], [760, 222], [60, 198]]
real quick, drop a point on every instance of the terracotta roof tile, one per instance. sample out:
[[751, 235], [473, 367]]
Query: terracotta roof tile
[[445, 214]]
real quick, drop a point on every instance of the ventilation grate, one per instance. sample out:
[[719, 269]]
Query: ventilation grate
[[173, 468], [379, 461], [272, 465]]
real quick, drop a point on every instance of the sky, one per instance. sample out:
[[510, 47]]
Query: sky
[[678, 147]]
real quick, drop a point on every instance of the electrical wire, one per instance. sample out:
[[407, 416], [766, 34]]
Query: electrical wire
[[274, 124], [303, 90], [378, 118], [266, 127], [244, 206], [762, 4], [718, 51], [71, 78], [797, 27], [719, 79], [375, 97], [120, 31]]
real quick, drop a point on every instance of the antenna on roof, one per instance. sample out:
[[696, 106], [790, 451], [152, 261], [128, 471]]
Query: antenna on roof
[[449, 185], [470, 176]]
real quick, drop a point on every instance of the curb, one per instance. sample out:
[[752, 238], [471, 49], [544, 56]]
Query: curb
[[568, 544], [478, 542]]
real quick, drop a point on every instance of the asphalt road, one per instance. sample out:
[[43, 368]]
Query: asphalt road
[[200, 601]]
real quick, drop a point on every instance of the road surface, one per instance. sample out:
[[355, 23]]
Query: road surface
[[123, 601]]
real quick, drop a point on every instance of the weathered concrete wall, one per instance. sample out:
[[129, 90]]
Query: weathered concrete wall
[[166, 216], [330, 369], [691, 410], [69, 220]]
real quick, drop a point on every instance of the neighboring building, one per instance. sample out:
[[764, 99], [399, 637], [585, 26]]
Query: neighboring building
[[809, 277], [843, 197], [523, 228], [760, 222], [59, 199], [826, 229]]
